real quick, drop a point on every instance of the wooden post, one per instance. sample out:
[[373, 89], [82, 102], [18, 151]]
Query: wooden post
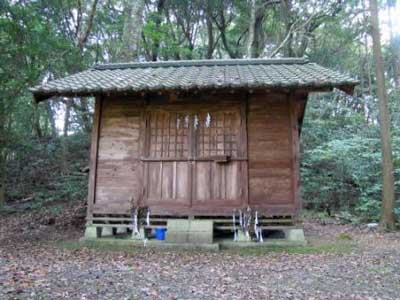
[[388, 219], [243, 147], [294, 134], [93, 158]]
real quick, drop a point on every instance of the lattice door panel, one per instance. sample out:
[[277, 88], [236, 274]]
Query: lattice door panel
[[169, 135], [217, 133], [195, 157]]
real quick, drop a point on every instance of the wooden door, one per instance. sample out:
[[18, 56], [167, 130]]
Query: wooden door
[[195, 158]]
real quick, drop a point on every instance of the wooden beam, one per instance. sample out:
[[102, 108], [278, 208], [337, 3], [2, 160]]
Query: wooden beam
[[294, 133], [244, 148], [93, 158]]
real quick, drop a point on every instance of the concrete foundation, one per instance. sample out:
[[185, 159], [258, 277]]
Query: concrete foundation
[[186, 232], [182, 231], [107, 231], [121, 230], [155, 244], [295, 234], [92, 232], [139, 236], [241, 236]]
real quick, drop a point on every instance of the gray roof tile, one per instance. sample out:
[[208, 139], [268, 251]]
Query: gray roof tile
[[196, 74]]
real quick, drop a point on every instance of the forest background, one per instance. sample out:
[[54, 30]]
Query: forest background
[[44, 147]]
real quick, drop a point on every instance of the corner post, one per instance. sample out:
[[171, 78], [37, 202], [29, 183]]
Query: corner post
[[294, 133], [93, 159]]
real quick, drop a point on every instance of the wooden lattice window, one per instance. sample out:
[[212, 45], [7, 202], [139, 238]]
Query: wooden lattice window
[[193, 134], [217, 134], [169, 135]]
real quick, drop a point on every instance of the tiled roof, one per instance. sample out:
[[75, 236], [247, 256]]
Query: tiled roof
[[195, 75]]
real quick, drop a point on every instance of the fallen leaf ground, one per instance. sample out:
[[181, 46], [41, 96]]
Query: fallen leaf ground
[[40, 258]]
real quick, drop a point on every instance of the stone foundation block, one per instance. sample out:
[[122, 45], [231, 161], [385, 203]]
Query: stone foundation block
[[121, 230], [295, 234], [190, 231], [107, 231], [92, 232], [241, 236], [139, 236], [201, 232]]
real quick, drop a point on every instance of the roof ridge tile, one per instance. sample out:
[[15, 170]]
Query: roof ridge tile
[[199, 63]]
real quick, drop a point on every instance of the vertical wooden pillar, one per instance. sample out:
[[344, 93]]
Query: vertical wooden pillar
[[144, 150], [93, 158], [244, 165], [294, 128]]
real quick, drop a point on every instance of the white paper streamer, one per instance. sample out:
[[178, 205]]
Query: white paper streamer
[[247, 234], [187, 121], [234, 227], [148, 217], [208, 120], [260, 235], [256, 225], [135, 223]]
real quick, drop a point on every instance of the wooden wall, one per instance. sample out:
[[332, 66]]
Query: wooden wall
[[272, 164], [118, 165], [272, 155]]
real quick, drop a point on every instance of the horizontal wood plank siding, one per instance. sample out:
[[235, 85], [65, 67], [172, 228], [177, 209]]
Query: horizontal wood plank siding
[[119, 166], [270, 154], [263, 173], [93, 159]]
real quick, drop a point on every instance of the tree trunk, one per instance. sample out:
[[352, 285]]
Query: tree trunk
[[210, 33], [2, 180], [67, 117], [387, 221], [2, 187], [85, 115], [36, 120], [221, 24], [133, 23], [2, 152], [157, 21], [255, 29], [396, 68], [250, 40], [50, 116], [285, 10], [82, 36], [395, 51]]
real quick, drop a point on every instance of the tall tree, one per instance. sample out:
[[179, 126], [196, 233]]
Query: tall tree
[[210, 29], [2, 153], [387, 221], [133, 24], [83, 33], [252, 40], [222, 19], [51, 117], [394, 47], [67, 117]]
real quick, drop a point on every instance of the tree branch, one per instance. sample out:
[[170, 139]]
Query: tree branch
[[82, 39]]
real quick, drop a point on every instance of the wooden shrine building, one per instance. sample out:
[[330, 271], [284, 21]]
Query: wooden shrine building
[[195, 139]]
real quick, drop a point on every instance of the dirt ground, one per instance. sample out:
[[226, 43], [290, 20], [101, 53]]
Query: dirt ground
[[40, 258]]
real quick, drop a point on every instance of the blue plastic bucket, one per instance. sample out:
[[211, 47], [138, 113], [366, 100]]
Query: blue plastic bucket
[[160, 234]]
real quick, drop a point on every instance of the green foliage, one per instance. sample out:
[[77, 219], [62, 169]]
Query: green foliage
[[341, 164], [344, 237], [326, 247], [340, 150], [48, 170], [341, 246]]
